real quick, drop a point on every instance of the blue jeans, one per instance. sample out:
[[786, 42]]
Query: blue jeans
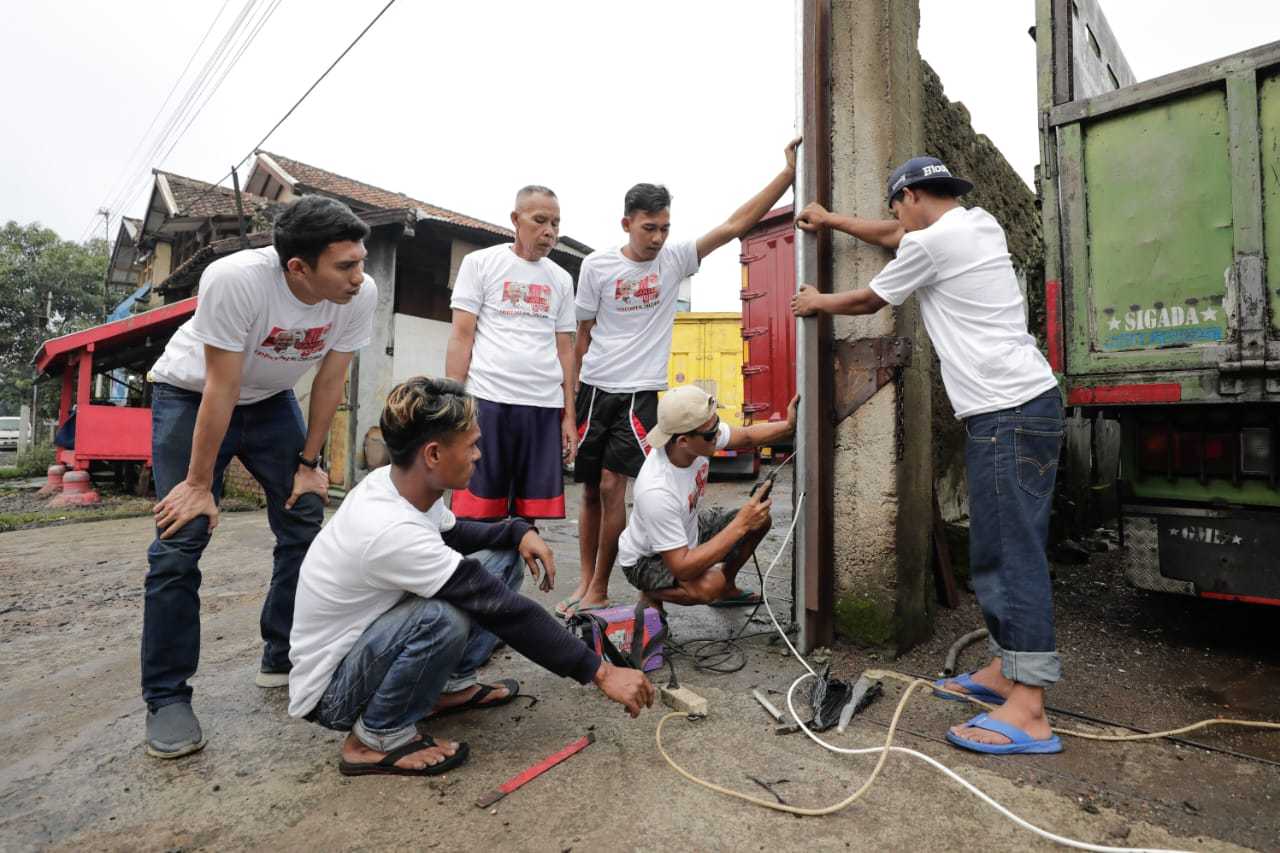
[[267, 437], [1011, 462], [405, 659]]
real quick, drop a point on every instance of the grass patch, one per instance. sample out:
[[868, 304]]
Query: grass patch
[[12, 473], [47, 517]]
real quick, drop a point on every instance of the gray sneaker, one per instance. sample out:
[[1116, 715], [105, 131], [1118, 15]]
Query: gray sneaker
[[268, 679], [173, 731]]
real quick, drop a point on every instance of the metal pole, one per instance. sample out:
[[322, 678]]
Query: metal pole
[[804, 247], [235, 182], [814, 432]]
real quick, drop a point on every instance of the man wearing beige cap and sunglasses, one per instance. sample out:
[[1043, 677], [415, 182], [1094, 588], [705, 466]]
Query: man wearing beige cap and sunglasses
[[669, 550]]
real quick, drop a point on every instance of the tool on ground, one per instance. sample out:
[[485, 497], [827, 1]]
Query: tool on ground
[[535, 771], [827, 696], [865, 691], [767, 705]]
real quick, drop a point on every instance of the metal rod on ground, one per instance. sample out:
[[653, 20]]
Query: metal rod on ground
[[525, 776]]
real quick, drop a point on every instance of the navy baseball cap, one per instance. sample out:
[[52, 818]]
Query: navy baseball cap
[[921, 170]]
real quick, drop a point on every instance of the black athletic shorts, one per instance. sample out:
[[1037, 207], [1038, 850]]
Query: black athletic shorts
[[612, 431]]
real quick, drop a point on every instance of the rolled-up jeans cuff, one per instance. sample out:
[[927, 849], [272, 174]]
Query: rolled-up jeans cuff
[[996, 651], [383, 741], [459, 682], [1034, 669]]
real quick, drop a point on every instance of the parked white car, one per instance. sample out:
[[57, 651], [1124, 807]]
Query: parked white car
[[9, 433]]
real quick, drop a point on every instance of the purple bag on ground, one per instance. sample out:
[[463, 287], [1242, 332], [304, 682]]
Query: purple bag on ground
[[611, 634]]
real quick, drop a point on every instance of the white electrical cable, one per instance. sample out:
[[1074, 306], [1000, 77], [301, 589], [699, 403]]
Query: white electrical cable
[[1058, 839]]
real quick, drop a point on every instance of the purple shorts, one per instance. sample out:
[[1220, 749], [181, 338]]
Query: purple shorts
[[519, 472]]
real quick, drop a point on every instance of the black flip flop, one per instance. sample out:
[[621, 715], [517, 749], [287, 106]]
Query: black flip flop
[[477, 699], [387, 766]]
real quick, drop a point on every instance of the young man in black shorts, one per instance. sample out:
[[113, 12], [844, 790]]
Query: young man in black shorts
[[626, 306]]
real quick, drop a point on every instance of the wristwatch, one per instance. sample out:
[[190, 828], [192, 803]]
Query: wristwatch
[[310, 463]]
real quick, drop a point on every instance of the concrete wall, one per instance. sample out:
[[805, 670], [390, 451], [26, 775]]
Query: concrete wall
[[882, 463], [457, 251], [373, 366], [420, 347], [999, 190]]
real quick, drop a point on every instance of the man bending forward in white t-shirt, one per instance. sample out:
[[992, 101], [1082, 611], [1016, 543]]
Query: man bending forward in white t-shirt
[[224, 388], [670, 550]]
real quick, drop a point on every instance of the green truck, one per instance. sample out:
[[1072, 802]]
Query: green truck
[[1161, 212]]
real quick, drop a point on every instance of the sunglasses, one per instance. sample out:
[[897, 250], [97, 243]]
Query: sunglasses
[[709, 435]]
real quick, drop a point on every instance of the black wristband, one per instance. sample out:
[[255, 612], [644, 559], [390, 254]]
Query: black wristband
[[310, 463]]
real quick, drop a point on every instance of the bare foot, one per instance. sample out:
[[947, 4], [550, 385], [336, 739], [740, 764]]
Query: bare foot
[[990, 677], [354, 752], [1023, 709], [457, 697]]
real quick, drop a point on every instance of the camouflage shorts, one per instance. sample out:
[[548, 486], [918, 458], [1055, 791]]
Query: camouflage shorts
[[650, 572]]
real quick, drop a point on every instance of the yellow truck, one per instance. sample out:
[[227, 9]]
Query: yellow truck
[[707, 350]]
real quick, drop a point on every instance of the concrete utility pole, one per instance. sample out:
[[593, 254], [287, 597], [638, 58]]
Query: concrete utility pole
[[106, 276], [882, 448]]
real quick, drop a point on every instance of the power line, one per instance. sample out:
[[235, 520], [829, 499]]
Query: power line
[[223, 72], [113, 191], [298, 103], [201, 80], [257, 27]]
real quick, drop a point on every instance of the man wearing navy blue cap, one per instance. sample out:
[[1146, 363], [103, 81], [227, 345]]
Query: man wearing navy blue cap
[[957, 261]]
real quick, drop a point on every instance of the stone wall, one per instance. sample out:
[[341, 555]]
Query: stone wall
[[999, 190]]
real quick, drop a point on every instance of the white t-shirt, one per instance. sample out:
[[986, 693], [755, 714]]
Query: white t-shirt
[[665, 499], [519, 306], [972, 308], [376, 548], [246, 306], [634, 306]]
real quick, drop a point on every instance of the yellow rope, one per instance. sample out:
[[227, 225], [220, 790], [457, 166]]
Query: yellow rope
[[782, 807], [913, 683]]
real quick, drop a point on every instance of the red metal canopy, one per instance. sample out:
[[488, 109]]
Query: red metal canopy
[[126, 334]]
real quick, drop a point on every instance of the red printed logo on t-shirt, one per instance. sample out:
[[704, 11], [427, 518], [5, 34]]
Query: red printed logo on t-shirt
[[637, 294], [528, 298], [293, 344], [699, 484]]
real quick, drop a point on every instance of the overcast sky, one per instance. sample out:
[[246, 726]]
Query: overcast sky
[[460, 103]]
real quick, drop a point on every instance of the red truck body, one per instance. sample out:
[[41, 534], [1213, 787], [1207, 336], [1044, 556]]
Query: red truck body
[[769, 330]]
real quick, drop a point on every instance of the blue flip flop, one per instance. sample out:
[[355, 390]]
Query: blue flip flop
[[1022, 743], [973, 688]]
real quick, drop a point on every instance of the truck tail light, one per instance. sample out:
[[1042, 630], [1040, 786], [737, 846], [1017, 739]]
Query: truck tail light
[[1255, 452], [1153, 448], [1217, 455]]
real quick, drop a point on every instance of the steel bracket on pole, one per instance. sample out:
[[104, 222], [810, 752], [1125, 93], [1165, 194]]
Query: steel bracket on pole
[[863, 367]]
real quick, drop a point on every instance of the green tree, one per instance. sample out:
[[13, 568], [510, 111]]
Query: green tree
[[48, 287]]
